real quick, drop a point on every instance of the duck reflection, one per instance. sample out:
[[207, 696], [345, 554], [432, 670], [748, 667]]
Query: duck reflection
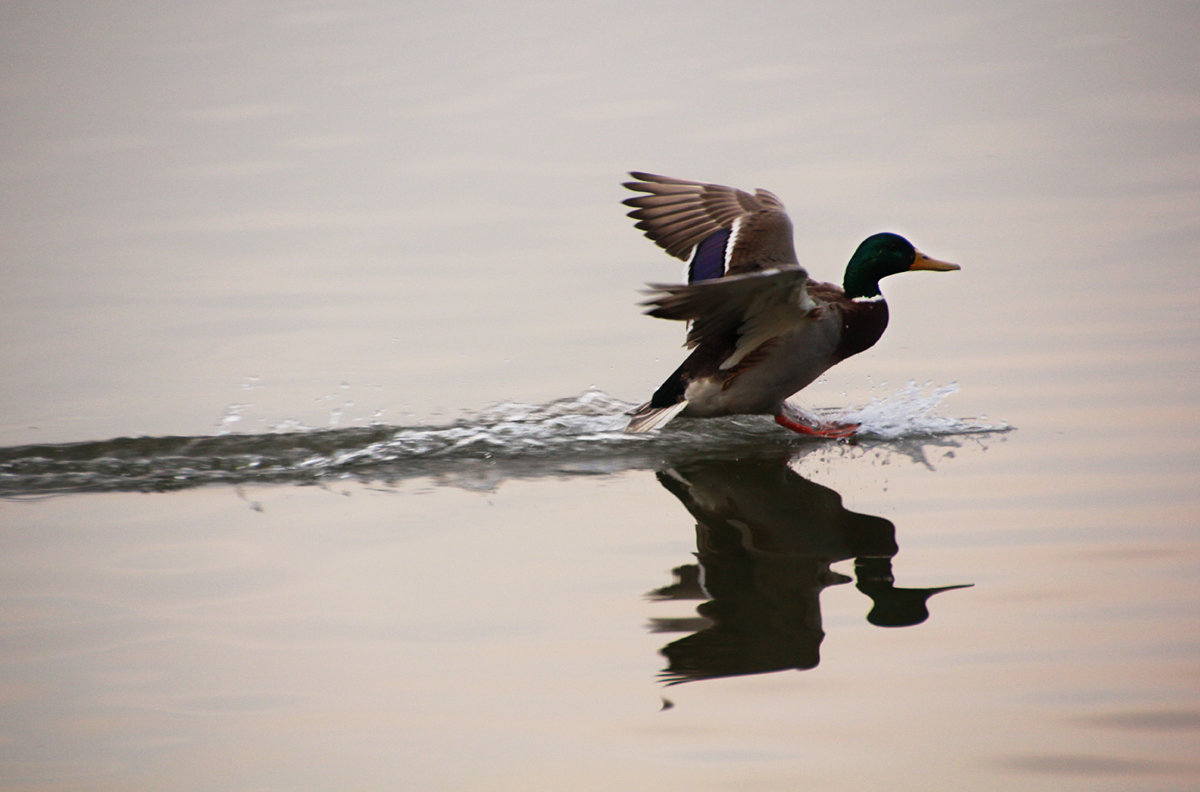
[[765, 539]]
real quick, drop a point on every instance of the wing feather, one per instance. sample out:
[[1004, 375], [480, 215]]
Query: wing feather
[[738, 311], [678, 214]]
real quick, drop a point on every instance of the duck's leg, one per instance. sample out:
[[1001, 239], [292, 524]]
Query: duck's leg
[[800, 424]]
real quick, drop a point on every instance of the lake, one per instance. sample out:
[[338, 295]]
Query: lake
[[320, 326]]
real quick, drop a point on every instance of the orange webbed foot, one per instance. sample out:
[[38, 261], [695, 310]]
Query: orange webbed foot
[[830, 429]]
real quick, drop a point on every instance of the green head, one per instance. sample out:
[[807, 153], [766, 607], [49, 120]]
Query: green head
[[881, 255]]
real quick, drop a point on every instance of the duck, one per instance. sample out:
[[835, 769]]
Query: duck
[[759, 328]]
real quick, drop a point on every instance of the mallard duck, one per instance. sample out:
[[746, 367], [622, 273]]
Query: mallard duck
[[761, 329]]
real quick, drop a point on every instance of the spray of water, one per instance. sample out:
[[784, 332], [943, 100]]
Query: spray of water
[[578, 435]]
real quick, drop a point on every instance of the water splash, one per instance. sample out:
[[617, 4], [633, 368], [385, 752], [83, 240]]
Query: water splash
[[573, 436], [912, 413]]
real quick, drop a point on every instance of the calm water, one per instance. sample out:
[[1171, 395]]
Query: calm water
[[318, 325]]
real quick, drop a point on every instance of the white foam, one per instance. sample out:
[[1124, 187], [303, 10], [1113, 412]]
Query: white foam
[[912, 412], [577, 435]]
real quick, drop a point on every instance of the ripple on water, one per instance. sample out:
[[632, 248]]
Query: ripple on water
[[570, 436]]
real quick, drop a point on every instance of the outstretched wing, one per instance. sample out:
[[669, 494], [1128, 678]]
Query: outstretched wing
[[737, 312], [731, 230]]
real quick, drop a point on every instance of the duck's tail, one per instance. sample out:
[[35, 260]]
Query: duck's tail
[[645, 418]]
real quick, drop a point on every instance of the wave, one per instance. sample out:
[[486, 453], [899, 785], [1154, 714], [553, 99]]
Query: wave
[[573, 436]]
